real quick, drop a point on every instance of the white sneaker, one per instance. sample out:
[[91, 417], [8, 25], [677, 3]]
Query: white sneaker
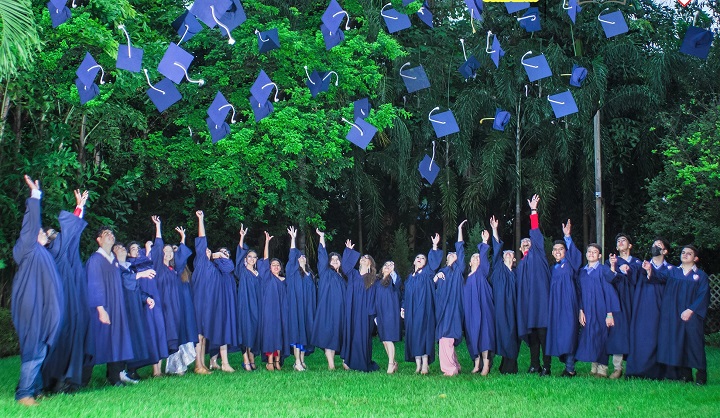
[[126, 379]]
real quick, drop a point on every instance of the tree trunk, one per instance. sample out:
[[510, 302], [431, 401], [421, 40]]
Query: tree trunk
[[518, 179], [81, 141]]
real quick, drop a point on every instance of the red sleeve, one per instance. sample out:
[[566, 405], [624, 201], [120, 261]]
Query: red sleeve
[[534, 221], [78, 212]]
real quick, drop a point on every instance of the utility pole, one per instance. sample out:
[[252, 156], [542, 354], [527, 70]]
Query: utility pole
[[599, 213]]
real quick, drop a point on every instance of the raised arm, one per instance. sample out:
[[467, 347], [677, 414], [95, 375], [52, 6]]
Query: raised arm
[[266, 250], [483, 248], [242, 251], [201, 223], [323, 262], [156, 253], [460, 249], [434, 256], [183, 253], [80, 200], [497, 244], [350, 258], [292, 266], [31, 222], [572, 255]]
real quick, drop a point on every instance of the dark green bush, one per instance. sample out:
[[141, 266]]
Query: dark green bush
[[9, 345]]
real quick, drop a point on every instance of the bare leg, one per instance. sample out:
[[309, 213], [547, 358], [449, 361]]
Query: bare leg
[[156, 369], [486, 364], [298, 363], [425, 365], [418, 364], [330, 356], [390, 349], [225, 363], [476, 369], [302, 360], [252, 358], [270, 363], [246, 361]]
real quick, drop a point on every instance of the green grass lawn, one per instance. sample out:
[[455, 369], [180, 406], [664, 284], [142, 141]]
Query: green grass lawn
[[319, 392]]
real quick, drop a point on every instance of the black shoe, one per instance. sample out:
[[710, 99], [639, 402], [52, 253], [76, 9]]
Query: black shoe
[[533, 370], [566, 373], [545, 371], [134, 375]]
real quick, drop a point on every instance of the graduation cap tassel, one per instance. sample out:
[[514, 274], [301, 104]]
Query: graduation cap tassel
[[231, 41], [433, 156], [308, 75], [487, 43], [187, 29], [472, 25], [277, 90], [609, 22], [347, 21], [462, 42], [484, 119], [354, 126], [232, 119], [527, 65], [73, 4], [102, 72], [531, 17], [387, 16], [199, 82], [147, 77], [555, 101], [337, 77], [122, 28], [566, 7], [406, 76], [257, 32], [433, 120]]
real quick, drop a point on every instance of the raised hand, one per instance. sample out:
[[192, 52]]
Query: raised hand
[[243, 231], [33, 185], [566, 228], [320, 233], [534, 202], [156, 220], [268, 237], [349, 244], [292, 231], [435, 240], [81, 198], [200, 214], [180, 230], [462, 223], [485, 236], [494, 223]]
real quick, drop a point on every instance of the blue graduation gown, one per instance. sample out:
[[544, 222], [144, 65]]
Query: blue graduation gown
[[273, 312], [248, 302], [502, 279], [310, 308], [387, 311], [479, 308], [644, 326], [135, 301], [330, 314], [37, 300], [226, 300], [563, 324], [449, 298], [356, 349], [155, 333], [533, 286], [419, 306], [619, 339], [682, 343], [105, 288], [168, 283], [65, 359], [597, 298], [298, 328], [206, 287]]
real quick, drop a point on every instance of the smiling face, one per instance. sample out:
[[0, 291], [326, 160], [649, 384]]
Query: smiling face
[[388, 268], [335, 262], [525, 245], [558, 252], [509, 258], [592, 254], [168, 254], [251, 259], [134, 250], [419, 262], [474, 261], [275, 267]]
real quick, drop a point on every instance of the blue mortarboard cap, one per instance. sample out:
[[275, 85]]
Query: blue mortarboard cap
[[578, 75], [186, 26], [530, 21], [361, 133], [502, 117], [320, 81], [394, 20], [234, 16], [333, 17], [128, 57], [469, 67], [59, 13], [218, 131], [573, 8], [331, 39], [262, 88], [172, 63], [563, 104], [268, 40], [86, 93], [513, 6], [361, 108], [260, 110], [697, 42], [163, 94], [88, 70], [475, 7], [209, 11], [429, 169], [496, 52], [415, 78], [444, 123], [613, 23], [536, 67], [219, 109], [423, 13]]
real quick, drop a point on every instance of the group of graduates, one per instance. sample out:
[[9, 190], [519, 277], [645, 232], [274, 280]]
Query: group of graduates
[[134, 307]]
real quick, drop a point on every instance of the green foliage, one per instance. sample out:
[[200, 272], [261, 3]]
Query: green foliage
[[400, 254], [18, 37], [9, 345]]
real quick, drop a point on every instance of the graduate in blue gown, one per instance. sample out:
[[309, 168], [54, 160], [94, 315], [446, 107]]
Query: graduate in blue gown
[[562, 331], [629, 267], [37, 304], [299, 324], [502, 279], [418, 309], [479, 309], [533, 293], [180, 325], [387, 311], [274, 342], [248, 301], [62, 370], [598, 305], [449, 306], [359, 324], [156, 335], [645, 319], [681, 339], [226, 301], [330, 315], [205, 285], [108, 317]]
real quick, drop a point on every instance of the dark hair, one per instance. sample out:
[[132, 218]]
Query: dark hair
[[665, 243], [692, 248], [117, 244], [186, 275], [371, 276], [282, 269], [623, 235], [560, 242], [595, 245], [256, 255], [102, 229], [131, 243], [171, 263]]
